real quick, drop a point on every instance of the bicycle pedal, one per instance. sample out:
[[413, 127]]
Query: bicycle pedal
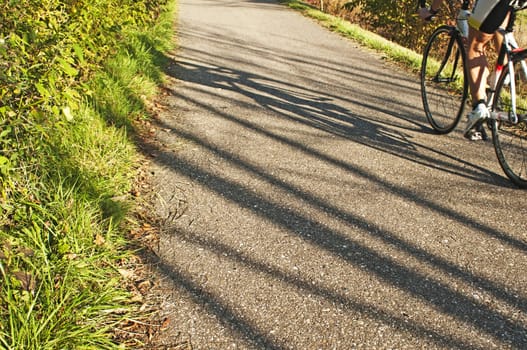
[[477, 133], [474, 136], [480, 128]]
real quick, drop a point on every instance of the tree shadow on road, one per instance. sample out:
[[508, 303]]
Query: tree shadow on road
[[392, 136], [323, 109]]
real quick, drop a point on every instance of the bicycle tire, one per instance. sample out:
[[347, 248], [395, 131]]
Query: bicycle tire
[[510, 139], [444, 83]]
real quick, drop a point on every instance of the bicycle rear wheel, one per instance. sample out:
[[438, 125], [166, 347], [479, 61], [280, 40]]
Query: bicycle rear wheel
[[444, 87], [510, 139]]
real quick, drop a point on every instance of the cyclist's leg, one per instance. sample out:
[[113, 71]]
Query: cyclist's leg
[[487, 17], [477, 76], [477, 64]]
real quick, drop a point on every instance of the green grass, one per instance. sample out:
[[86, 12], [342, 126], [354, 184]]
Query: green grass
[[65, 208]]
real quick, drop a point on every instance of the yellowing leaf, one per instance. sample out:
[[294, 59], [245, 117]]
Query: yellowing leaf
[[67, 113]]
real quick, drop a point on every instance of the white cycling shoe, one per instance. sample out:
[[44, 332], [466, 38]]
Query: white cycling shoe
[[474, 118]]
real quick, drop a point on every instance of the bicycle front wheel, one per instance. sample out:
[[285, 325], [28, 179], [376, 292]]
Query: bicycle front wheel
[[444, 86], [510, 138]]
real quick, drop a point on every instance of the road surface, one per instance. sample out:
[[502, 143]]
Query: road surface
[[308, 205]]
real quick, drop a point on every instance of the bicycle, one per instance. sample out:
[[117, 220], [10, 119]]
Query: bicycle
[[444, 82]]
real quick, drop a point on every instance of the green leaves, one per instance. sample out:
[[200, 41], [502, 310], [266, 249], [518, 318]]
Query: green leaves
[[79, 52], [67, 68], [50, 45], [5, 143], [4, 165]]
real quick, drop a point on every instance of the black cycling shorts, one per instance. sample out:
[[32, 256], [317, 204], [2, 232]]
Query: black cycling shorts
[[487, 16]]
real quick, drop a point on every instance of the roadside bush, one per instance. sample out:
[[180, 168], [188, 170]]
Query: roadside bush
[[395, 20]]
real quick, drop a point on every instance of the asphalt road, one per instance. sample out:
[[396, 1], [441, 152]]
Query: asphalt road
[[307, 204]]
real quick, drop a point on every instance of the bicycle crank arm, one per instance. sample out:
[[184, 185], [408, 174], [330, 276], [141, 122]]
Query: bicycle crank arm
[[443, 80], [506, 117]]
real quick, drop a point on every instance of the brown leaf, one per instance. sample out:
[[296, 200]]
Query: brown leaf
[[26, 252], [165, 323], [27, 281]]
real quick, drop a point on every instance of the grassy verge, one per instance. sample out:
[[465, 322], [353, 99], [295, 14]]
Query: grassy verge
[[392, 51], [66, 175]]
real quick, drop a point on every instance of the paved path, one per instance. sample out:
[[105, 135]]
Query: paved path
[[307, 205]]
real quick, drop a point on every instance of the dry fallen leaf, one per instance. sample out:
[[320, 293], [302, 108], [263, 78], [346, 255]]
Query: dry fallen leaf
[[71, 256], [128, 274], [27, 281], [165, 323], [99, 240]]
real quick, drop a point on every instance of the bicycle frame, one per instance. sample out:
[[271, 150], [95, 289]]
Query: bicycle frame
[[443, 64], [510, 52]]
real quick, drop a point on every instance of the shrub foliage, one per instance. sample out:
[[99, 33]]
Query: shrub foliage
[[49, 49], [396, 20]]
